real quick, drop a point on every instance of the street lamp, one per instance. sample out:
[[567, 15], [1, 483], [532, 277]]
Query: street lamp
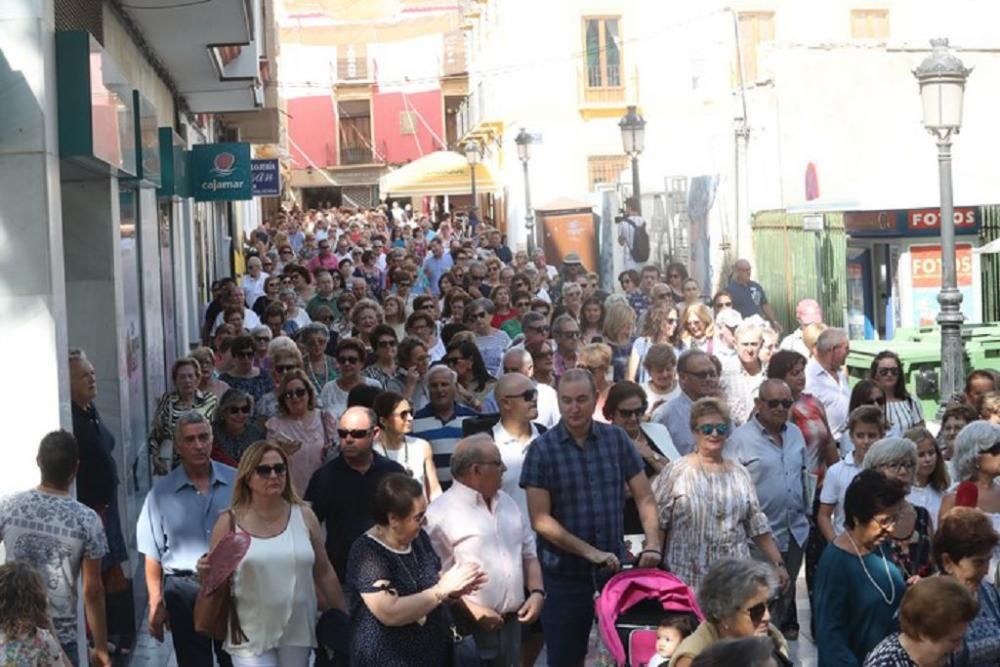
[[942, 79], [523, 141], [633, 127], [473, 156]]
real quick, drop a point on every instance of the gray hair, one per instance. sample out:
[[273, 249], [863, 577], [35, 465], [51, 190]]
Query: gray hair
[[518, 353], [261, 331], [485, 304], [254, 261], [437, 369], [282, 344], [531, 317], [230, 398], [577, 375], [730, 582], [313, 329], [970, 442], [749, 327], [187, 418], [558, 323], [830, 338], [468, 452], [892, 451]]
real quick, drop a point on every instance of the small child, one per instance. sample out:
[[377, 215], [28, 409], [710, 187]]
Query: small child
[[669, 634], [26, 634]]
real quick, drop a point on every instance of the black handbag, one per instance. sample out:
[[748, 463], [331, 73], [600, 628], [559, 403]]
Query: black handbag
[[464, 652]]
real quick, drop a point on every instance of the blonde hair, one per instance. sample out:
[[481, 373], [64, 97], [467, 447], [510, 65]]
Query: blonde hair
[[242, 495], [599, 353], [703, 313], [810, 335], [619, 315]]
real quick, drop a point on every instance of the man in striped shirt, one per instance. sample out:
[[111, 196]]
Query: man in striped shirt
[[440, 421]]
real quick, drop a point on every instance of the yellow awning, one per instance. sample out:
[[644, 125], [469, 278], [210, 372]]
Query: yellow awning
[[438, 173]]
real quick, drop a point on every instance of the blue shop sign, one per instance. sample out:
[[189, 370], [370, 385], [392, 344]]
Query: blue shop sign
[[221, 172], [266, 178]]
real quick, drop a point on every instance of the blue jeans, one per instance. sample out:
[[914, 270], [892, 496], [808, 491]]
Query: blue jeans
[[568, 616], [192, 649]]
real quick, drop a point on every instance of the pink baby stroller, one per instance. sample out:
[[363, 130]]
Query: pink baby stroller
[[630, 608]]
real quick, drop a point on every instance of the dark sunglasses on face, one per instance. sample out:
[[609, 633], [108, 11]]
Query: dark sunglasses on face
[[404, 414], [637, 412], [994, 450], [540, 329], [775, 402], [236, 409], [285, 368], [884, 372], [756, 612], [529, 395], [348, 360], [296, 393], [707, 429], [356, 433], [278, 469], [702, 375], [387, 343], [482, 315]]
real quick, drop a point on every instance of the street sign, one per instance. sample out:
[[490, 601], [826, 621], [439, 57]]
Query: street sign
[[812, 223], [221, 172], [266, 178]]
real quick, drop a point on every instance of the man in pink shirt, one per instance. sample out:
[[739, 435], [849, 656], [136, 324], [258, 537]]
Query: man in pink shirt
[[324, 260]]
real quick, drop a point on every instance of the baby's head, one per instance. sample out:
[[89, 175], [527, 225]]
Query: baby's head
[[671, 632]]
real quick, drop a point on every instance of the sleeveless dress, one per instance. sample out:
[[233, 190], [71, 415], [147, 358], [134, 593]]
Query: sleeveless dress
[[274, 591]]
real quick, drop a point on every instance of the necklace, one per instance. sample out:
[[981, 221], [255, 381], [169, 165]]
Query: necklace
[[889, 599]]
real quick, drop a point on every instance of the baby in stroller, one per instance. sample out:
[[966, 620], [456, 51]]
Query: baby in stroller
[[669, 634]]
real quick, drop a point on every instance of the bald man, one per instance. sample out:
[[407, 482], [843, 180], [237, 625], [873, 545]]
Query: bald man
[[517, 396], [749, 298], [519, 360], [475, 521]]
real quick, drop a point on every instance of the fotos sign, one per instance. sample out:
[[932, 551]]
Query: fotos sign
[[221, 172]]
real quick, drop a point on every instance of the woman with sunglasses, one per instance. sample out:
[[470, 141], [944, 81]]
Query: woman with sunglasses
[[734, 597], [902, 411], [722, 299], [977, 460], [625, 407], [858, 587], [350, 356], [272, 285], [285, 576], [697, 328], [474, 382], [186, 376], [395, 421], [304, 432], [659, 326], [209, 382], [233, 428], [708, 503], [244, 374]]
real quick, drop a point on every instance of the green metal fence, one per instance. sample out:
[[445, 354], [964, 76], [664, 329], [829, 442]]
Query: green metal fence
[[989, 230], [795, 263]]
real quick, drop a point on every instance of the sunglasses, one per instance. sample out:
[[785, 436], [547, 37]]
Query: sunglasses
[[262, 339], [529, 395], [278, 469], [702, 375], [541, 329], [482, 315], [356, 433], [637, 412], [387, 343], [992, 451], [235, 410], [723, 304], [285, 368], [404, 414], [296, 393], [348, 360], [708, 429], [884, 372], [775, 402], [756, 612]]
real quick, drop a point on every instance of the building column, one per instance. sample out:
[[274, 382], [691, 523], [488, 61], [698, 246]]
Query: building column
[[32, 293]]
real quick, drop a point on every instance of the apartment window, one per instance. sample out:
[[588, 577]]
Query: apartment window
[[870, 24], [604, 169], [602, 51], [407, 122], [756, 28]]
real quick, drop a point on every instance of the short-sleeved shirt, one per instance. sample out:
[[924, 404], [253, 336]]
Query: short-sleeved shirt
[[747, 299], [675, 414], [586, 487], [834, 491], [492, 347], [55, 534], [40, 649], [443, 434]]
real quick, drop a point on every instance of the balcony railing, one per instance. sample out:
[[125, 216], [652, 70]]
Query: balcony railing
[[355, 155]]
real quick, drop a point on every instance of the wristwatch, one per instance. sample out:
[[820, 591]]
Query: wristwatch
[[537, 590]]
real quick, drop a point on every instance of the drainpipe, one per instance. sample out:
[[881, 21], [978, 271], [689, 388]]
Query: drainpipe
[[741, 144]]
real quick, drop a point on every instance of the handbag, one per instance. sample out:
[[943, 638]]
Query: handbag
[[464, 651], [214, 608]]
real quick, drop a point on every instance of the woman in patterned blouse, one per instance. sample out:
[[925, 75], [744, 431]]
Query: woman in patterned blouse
[[186, 375]]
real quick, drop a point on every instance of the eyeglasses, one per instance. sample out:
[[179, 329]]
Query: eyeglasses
[[702, 375], [403, 414], [899, 466], [775, 402], [529, 395], [387, 343], [285, 368], [886, 371], [888, 521], [707, 429], [356, 433], [637, 412], [262, 339], [236, 409], [278, 469], [348, 360], [296, 393], [540, 329]]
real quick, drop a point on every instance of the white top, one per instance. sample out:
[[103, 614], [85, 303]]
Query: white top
[[301, 317], [274, 591], [928, 498], [655, 399], [410, 456], [838, 478], [250, 320], [834, 394], [334, 399], [660, 436], [512, 452], [464, 529], [253, 289], [548, 405]]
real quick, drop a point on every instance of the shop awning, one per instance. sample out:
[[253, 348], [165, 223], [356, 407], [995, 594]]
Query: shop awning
[[438, 173]]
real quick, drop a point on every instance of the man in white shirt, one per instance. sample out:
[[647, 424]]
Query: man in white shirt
[[235, 297], [826, 379], [253, 281], [519, 361], [476, 522], [517, 397]]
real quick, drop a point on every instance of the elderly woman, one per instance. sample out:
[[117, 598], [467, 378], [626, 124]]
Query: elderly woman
[[491, 342], [619, 334], [933, 617], [660, 367], [296, 316], [285, 356], [734, 598], [233, 428], [697, 328], [186, 375], [659, 326], [395, 422], [931, 480], [708, 504], [320, 366], [305, 432], [285, 575], [244, 375], [977, 460], [910, 542], [350, 362], [963, 545], [208, 382], [858, 588], [261, 339], [383, 369], [595, 358], [233, 316], [902, 411], [365, 316], [474, 381], [272, 285], [395, 585]]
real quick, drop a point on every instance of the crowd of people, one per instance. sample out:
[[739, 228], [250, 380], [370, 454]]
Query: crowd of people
[[435, 445]]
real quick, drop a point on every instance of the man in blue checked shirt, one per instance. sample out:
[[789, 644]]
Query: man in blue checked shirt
[[573, 476]]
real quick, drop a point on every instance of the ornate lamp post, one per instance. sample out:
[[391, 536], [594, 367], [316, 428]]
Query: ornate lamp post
[[942, 79], [473, 155], [523, 141], [633, 127]]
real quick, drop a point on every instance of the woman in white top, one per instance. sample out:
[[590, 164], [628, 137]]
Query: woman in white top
[[395, 420], [660, 365], [902, 411], [659, 326], [931, 480], [285, 575]]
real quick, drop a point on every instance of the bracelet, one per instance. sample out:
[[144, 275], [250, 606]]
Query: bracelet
[[649, 551], [537, 590]]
